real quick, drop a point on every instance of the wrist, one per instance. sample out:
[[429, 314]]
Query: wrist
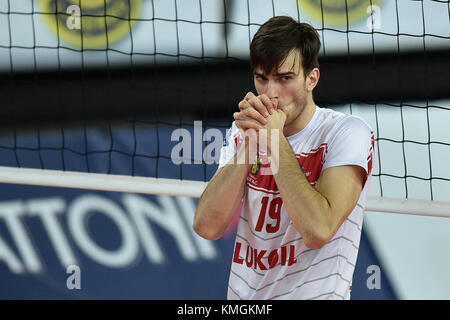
[[246, 153], [279, 144], [274, 138]]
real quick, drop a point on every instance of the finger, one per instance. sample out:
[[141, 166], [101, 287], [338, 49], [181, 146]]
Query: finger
[[244, 104], [255, 115], [245, 125], [267, 103], [259, 106], [249, 95], [250, 115], [275, 103], [237, 116], [244, 122]]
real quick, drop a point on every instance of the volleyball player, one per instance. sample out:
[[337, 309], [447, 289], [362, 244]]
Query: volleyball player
[[302, 209]]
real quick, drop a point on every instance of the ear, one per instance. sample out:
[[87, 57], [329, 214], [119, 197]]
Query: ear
[[312, 79]]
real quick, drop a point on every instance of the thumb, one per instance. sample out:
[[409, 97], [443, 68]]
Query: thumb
[[274, 104]]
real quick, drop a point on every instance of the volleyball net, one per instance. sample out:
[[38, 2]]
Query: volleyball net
[[136, 96]]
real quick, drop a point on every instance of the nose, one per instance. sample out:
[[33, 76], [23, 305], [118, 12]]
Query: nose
[[272, 91]]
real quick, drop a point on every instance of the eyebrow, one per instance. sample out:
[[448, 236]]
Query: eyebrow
[[281, 74], [290, 73], [258, 74]]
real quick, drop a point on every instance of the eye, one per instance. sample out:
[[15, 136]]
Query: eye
[[260, 77], [286, 78]]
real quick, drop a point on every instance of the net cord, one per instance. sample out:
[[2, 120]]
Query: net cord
[[187, 188]]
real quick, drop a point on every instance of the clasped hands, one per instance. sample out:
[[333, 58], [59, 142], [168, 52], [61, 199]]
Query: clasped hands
[[260, 122], [258, 112]]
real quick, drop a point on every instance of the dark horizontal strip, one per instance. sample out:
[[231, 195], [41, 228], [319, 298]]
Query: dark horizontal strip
[[209, 89]]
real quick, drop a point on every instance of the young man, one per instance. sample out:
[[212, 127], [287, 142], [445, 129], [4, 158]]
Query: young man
[[300, 224]]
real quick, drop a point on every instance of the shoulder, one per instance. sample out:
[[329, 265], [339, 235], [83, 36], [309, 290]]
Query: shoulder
[[330, 115], [350, 142], [329, 123], [354, 125], [335, 122]]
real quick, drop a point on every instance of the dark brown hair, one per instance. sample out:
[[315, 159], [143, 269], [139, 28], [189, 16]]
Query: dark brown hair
[[275, 39]]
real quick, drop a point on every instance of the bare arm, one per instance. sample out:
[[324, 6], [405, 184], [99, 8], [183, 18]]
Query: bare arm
[[221, 198], [317, 212]]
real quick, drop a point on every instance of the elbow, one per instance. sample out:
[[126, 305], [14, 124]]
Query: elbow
[[319, 233], [205, 231], [317, 239], [315, 243]]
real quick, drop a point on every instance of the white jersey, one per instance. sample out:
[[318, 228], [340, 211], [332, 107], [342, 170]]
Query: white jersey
[[270, 259]]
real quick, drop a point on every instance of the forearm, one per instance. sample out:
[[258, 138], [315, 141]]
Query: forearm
[[220, 200], [308, 209]]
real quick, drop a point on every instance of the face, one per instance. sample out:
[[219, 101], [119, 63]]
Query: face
[[286, 86]]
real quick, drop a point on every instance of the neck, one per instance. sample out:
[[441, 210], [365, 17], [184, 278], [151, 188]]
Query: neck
[[302, 119]]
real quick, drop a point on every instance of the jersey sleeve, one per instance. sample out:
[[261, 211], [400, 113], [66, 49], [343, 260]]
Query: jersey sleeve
[[352, 144], [229, 148]]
